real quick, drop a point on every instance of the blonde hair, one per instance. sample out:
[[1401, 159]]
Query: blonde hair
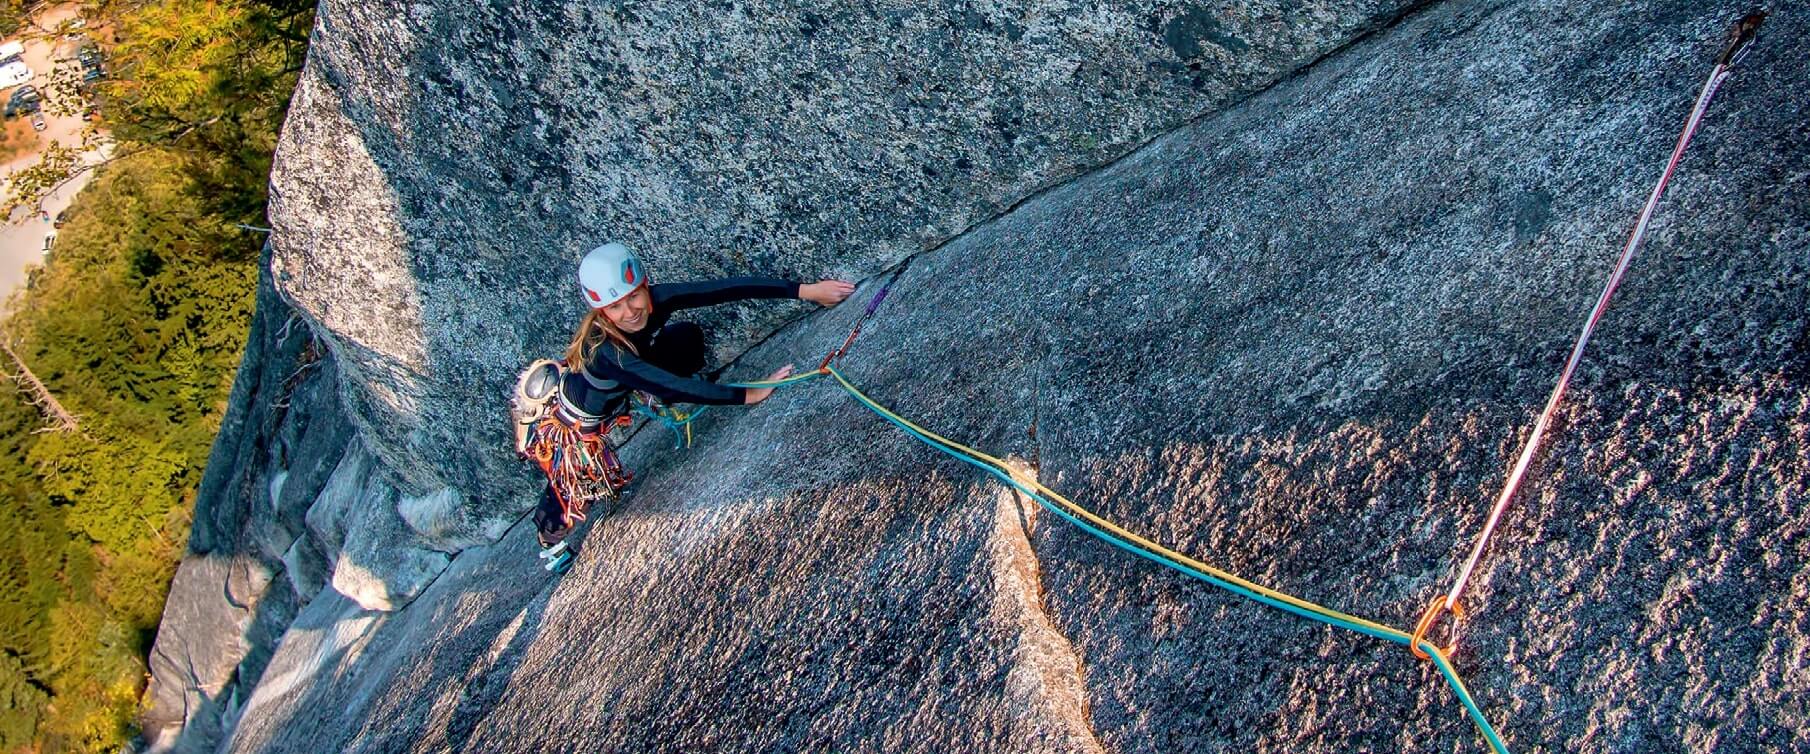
[[593, 330]]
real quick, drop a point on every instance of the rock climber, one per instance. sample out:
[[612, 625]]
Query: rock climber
[[625, 345]]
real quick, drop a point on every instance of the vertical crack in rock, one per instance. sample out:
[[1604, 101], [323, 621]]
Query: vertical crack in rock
[[1046, 683]]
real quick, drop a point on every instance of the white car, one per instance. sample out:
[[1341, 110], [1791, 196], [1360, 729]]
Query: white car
[[13, 74], [11, 50]]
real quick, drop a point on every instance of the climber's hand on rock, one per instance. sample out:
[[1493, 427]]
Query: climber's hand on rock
[[758, 394], [826, 292]]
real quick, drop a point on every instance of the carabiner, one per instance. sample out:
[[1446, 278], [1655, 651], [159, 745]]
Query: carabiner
[[1426, 623]]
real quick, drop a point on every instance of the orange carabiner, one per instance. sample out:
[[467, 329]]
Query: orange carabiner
[[1426, 623], [542, 452]]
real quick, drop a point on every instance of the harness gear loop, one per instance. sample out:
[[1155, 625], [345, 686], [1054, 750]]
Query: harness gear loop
[[581, 467], [1427, 619]]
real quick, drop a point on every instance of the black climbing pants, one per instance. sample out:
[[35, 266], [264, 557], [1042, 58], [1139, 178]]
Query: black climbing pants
[[549, 520], [677, 348]]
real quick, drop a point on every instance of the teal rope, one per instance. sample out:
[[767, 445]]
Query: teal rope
[[794, 379], [1464, 696], [1439, 661], [676, 426]]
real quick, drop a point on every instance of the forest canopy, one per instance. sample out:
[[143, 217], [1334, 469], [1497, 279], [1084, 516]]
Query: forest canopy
[[135, 324]]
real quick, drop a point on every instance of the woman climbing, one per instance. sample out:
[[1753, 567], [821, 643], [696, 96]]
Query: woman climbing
[[625, 346]]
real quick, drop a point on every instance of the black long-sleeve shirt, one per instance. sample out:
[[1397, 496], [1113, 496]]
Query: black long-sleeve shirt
[[612, 371]]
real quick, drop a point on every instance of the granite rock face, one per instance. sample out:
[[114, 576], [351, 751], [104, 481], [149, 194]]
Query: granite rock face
[[446, 164], [276, 520], [1300, 338], [229, 603], [377, 559]]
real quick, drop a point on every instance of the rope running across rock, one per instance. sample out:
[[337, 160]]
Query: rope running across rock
[[1740, 40], [1142, 547]]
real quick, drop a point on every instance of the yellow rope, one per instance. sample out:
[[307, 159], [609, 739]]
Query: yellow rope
[[1161, 554], [1156, 552], [1119, 530]]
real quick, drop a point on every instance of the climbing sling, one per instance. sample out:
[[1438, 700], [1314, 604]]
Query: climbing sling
[[1740, 42]]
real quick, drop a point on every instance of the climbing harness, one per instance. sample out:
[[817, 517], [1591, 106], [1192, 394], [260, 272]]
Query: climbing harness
[[581, 466], [1740, 42], [574, 454]]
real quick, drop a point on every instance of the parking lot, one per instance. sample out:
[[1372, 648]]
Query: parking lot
[[23, 237]]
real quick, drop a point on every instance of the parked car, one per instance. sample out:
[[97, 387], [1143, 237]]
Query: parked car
[[49, 238], [11, 51], [62, 217], [14, 73], [37, 120], [89, 57], [25, 99]]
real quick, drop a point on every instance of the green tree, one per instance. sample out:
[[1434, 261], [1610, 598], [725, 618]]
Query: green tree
[[135, 323], [12, 16], [22, 702], [209, 79]]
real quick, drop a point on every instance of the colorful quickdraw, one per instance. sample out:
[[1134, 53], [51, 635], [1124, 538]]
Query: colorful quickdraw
[[872, 306], [580, 466]]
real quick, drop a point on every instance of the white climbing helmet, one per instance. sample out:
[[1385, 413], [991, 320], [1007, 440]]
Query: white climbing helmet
[[609, 273]]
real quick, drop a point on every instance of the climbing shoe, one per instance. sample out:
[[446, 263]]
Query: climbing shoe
[[558, 557]]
